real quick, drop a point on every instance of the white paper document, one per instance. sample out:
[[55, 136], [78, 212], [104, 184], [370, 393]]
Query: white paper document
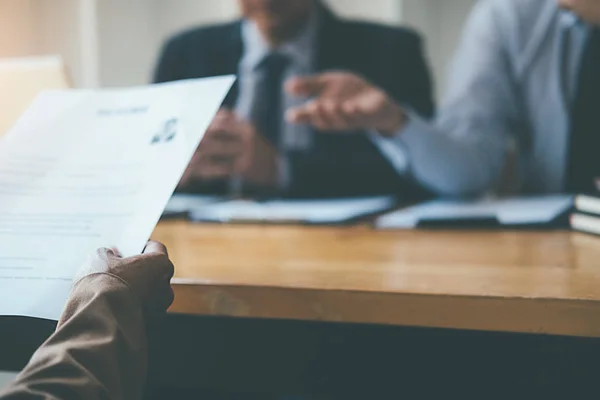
[[329, 211], [89, 169], [523, 211]]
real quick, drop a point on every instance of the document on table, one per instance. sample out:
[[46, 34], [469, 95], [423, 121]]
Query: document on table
[[509, 212], [184, 203], [330, 211], [87, 169]]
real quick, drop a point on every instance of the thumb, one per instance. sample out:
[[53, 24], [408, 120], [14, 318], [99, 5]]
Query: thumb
[[153, 247], [309, 86], [222, 115], [113, 251]]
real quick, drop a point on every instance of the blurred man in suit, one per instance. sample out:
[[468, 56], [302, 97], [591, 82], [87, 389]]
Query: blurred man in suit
[[99, 349], [526, 69], [250, 143]]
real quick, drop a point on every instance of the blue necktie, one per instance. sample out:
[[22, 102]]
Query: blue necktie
[[269, 116], [584, 152]]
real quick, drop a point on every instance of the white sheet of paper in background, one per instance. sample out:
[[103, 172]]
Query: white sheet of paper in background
[[89, 169], [520, 211], [307, 211]]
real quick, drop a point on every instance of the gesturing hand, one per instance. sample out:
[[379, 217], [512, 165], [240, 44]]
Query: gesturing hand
[[343, 101]]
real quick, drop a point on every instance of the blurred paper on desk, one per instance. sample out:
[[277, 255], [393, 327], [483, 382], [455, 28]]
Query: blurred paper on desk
[[184, 204], [87, 169], [507, 212], [331, 211], [22, 79]]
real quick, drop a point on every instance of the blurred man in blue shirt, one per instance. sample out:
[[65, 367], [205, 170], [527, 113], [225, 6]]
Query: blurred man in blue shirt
[[527, 70]]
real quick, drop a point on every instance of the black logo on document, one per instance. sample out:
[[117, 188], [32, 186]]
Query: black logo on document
[[167, 132]]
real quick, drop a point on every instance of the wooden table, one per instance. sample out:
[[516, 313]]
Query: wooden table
[[526, 282]]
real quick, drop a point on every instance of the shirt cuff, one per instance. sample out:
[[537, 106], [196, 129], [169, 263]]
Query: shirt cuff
[[393, 150], [399, 148]]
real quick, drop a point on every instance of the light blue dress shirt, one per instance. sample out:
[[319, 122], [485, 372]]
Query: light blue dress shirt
[[513, 79]]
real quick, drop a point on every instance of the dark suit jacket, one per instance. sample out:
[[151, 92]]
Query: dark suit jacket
[[337, 165]]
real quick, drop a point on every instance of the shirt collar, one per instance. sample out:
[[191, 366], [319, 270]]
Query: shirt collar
[[300, 50], [569, 19]]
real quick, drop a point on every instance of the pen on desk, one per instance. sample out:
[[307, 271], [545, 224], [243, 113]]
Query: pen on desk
[[264, 221], [459, 223]]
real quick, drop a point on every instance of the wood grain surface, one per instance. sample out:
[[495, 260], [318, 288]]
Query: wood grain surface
[[531, 282]]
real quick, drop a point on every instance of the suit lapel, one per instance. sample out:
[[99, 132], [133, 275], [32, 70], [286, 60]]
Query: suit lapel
[[231, 57], [330, 55]]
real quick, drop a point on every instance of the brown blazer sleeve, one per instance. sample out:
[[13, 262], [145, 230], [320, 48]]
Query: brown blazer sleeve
[[98, 351]]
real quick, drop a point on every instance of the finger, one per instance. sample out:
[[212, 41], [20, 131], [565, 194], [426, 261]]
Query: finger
[[193, 166], [155, 258], [153, 247], [197, 155], [331, 117], [160, 303], [219, 122], [324, 120], [116, 252], [212, 156], [225, 145], [332, 114], [168, 270], [169, 297], [244, 161], [318, 117], [567, 4], [105, 253], [246, 131], [371, 109], [186, 179], [223, 114], [218, 160], [229, 131], [354, 115], [220, 153], [306, 86], [192, 173], [299, 115], [227, 120], [220, 131], [215, 151], [216, 171]]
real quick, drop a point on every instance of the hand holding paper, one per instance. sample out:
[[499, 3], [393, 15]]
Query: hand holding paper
[[147, 275]]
